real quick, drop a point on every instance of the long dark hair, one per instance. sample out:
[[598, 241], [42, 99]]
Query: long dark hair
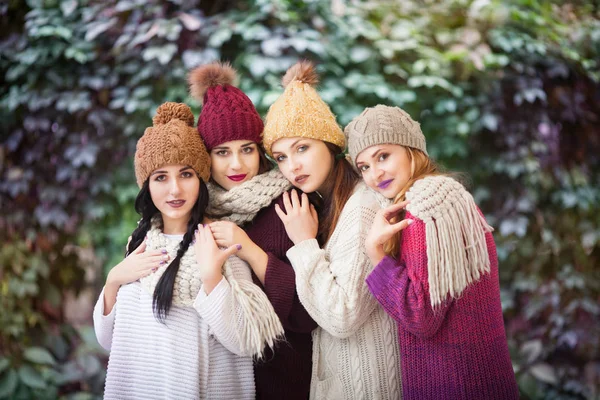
[[163, 293], [343, 180]]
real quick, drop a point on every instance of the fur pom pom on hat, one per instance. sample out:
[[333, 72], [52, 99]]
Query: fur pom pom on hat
[[227, 113], [300, 111], [171, 140]]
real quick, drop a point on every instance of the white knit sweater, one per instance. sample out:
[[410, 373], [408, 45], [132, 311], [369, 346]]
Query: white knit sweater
[[189, 357], [355, 348]]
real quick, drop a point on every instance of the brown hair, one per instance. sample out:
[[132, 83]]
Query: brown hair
[[264, 165], [343, 180], [421, 166]]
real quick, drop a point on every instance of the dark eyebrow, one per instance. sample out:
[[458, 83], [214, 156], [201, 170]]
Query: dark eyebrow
[[165, 172], [290, 146], [248, 144], [220, 148], [375, 153]]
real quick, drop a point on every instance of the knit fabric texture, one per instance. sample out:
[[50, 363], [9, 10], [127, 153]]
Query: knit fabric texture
[[300, 112], [383, 125], [456, 249], [355, 352], [241, 203], [458, 350], [172, 140], [262, 326], [227, 113], [195, 354], [284, 372]]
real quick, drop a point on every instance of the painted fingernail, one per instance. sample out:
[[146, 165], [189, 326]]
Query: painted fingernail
[[164, 251], [239, 246], [410, 221], [166, 257], [196, 231], [154, 269], [193, 241], [162, 262]]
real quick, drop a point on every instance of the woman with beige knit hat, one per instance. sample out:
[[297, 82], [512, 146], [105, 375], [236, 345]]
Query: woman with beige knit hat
[[355, 351], [243, 191], [436, 270], [179, 315]]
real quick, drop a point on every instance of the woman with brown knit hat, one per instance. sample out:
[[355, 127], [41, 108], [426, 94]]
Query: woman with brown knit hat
[[180, 316], [436, 270], [243, 191], [355, 350]]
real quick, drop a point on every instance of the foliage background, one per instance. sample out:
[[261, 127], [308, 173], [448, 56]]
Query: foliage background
[[506, 91]]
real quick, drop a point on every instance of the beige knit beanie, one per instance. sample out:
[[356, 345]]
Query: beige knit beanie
[[383, 125], [172, 139], [300, 111]]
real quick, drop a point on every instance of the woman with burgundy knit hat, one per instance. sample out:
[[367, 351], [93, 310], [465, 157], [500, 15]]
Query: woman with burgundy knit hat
[[355, 349], [436, 269], [243, 192], [180, 317]]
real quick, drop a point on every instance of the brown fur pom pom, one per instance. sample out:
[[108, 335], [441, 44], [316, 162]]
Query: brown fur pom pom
[[170, 110], [205, 76], [302, 71]]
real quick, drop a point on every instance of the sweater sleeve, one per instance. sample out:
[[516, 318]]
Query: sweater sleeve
[[280, 288], [331, 283], [402, 287], [218, 309], [104, 324]]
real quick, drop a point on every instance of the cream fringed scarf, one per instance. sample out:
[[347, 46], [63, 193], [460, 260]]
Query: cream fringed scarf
[[261, 323], [243, 202], [455, 231]]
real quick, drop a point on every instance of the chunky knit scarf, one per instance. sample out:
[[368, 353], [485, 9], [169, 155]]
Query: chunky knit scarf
[[262, 325], [241, 204], [455, 235]]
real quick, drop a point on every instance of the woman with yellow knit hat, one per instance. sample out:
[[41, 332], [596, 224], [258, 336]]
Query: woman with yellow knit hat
[[355, 350], [180, 317]]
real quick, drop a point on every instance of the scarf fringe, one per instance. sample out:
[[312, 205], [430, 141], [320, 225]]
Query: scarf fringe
[[455, 231], [262, 326]]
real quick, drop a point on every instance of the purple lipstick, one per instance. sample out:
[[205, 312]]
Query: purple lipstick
[[384, 184]]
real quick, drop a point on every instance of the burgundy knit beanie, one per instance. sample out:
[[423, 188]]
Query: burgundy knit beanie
[[227, 113]]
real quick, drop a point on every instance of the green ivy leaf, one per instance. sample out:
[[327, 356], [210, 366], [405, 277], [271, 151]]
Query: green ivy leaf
[[8, 383], [31, 377], [39, 355]]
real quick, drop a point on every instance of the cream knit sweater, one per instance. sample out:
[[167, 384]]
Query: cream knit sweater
[[355, 348], [189, 357]]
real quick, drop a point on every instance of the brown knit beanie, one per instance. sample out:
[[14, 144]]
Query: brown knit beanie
[[383, 125], [172, 139], [300, 111]]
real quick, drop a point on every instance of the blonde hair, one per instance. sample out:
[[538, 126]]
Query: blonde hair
[[421, 166]]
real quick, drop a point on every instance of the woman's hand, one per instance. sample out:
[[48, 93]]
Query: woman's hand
[[227, 233], [136, 265], [299, 217], [382, 230], [210, 258]]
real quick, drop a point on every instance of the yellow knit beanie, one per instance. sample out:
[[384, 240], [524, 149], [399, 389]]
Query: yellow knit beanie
[[171, 140], [300, 111]]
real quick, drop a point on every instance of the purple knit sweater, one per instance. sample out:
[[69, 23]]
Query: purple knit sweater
[[284, 374], [458, 351]]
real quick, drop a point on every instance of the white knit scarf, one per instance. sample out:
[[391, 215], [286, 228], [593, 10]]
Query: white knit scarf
[[241, 203], [261, 323], [457, 253]]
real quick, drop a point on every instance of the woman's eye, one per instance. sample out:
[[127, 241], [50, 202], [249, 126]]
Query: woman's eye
[[160, 178], [363, 168], [302, 148], [186, 174], [247, 150], [222, 153], [383, 156], [279, 158]]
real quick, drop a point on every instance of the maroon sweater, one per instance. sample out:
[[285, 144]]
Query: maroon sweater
[[284, 374], [458, 351]]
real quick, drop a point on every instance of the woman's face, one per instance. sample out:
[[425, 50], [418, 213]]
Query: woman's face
[[234, 162], [306, 163], [174, 190], [385, 168]]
